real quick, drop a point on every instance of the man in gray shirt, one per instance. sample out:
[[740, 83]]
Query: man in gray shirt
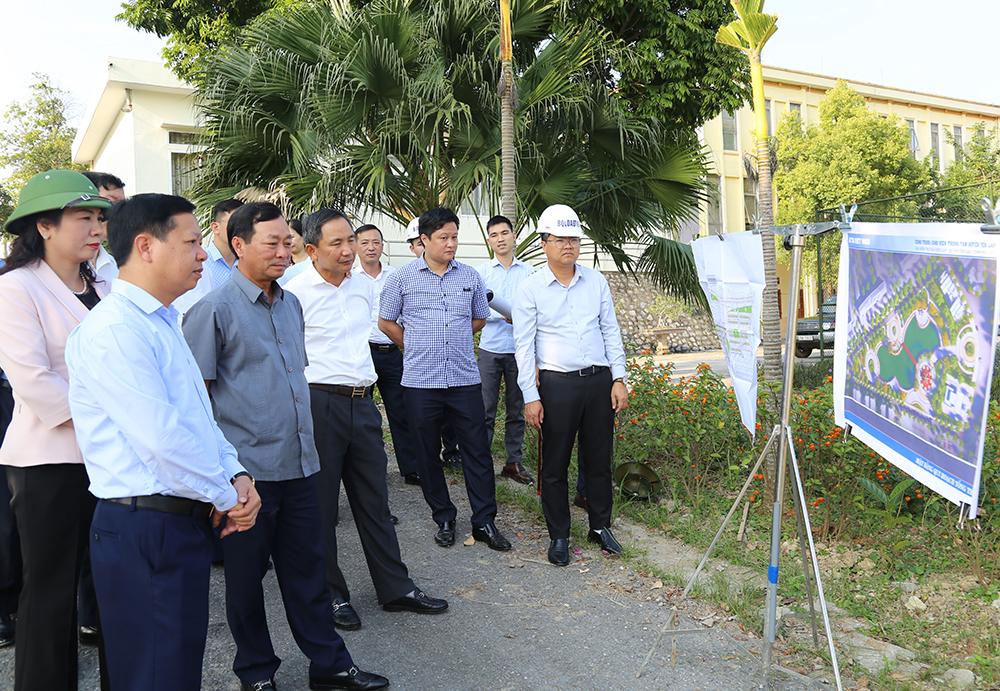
[[247, 337]]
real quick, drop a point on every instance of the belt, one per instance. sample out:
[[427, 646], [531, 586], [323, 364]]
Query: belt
[[352, 391], [585, 372], [383, 347], [159, 502]]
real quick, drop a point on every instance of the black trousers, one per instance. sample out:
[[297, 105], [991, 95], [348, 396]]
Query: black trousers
[[463, 407], [288, 531], [576, 405], [348, 434], [389, 368], [10, 543], [53, 509]]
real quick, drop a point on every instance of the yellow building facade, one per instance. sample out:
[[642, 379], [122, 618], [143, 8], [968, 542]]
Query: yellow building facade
[[730, 135]]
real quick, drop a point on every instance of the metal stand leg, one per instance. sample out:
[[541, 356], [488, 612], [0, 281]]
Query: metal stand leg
[[800, 511]]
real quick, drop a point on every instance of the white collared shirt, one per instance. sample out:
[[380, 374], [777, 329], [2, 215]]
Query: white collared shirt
[[338, 325], [105, 266], [378, 282], [565, 328]]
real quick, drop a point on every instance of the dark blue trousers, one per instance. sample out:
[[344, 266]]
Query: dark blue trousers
[[389, 368], [151, 574], [288, 532], [463, 407]]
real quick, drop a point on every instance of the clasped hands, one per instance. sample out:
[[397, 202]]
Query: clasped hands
[[242, 516]]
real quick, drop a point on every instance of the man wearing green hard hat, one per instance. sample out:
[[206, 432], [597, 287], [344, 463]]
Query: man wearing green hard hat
[[47, 287]]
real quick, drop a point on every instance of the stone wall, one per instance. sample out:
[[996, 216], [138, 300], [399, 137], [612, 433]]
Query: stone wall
[[643, 308]]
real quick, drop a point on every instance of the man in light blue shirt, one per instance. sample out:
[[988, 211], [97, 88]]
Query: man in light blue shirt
[[155, 457], [565, 324], [221, 262], [503, 274]]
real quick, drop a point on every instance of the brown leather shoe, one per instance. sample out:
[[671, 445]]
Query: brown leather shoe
[[517, 473], [580, 500]]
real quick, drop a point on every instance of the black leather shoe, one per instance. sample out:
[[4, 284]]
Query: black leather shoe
[[353, 680], [88, 635], [493, 538], [606, 540], [344, 616], [258, 685], [445, 536], [412, 478], [559, 551], [393, 519], [418, 602], [6, 631]]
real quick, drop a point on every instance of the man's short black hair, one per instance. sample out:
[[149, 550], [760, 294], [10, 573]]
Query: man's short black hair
[[366, 227], [105, 180], [436, 219], [312, 229], [243, 222], [224, 207], [497, 220], [144, 213]]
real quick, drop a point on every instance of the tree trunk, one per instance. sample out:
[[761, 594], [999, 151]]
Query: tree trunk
[[508, 204]]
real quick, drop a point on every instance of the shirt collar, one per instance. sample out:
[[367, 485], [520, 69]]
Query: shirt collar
[[138, 296], [550, 277], [103, 258], [422, 264], [496, 262], [315, 278], [215, 255], [254, 291]]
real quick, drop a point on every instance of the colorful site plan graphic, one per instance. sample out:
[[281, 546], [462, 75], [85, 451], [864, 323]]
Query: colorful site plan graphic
[[913, 374], [731, 273]]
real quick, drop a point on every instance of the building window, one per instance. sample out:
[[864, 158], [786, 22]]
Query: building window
[[958, 142], [182, 138], [767, 114], [935, 143], [714, 205], [749, 202], [182, 172], [913, 137], [729, 131], [795, 108]]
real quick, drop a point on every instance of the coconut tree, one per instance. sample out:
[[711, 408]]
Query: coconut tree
[[749, 32], [393, 107]]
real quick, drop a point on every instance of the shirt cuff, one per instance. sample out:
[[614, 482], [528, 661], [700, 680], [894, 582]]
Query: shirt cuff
[[531, 395], [227, 500], [617, 371]]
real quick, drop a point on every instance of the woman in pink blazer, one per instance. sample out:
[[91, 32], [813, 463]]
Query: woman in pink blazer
[[47, 287]]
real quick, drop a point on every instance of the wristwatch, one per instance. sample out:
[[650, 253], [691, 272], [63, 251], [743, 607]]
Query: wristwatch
[[244, 473], [619, 379]]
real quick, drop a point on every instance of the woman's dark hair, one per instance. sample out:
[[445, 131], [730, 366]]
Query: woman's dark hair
[[296, 225], [29, 247], [436, 219]]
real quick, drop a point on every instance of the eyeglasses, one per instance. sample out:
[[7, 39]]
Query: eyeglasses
[[563, 242]]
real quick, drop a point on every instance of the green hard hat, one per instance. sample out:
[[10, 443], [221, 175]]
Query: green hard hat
[[54, 189]]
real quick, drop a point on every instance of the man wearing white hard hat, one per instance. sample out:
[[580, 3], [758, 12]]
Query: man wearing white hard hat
[[565, 324]]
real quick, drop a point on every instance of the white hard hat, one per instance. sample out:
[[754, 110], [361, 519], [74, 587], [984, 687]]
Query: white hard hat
[[413, 229], [561, 221]]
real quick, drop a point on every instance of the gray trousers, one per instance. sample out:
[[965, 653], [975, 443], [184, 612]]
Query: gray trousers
[[493, 367]]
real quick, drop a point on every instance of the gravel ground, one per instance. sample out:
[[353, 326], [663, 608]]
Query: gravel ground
[[514, 621]]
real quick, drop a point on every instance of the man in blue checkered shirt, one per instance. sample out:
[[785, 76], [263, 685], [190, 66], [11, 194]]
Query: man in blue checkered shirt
[[442, 304]]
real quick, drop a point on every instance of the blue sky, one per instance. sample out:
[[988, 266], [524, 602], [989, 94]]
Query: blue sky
[[938, 48]]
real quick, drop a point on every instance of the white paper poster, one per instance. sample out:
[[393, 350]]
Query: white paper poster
[[731, 272], [912, 369]]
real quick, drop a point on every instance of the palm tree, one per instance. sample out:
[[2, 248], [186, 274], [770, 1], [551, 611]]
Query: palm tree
[[391, 107], [749, 32], [508, 102]]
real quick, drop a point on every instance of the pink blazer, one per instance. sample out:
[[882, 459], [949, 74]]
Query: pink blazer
[[37, 313]]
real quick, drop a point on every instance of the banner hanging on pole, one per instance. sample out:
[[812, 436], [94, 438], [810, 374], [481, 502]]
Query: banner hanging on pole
[[913, 368], [731, 273]]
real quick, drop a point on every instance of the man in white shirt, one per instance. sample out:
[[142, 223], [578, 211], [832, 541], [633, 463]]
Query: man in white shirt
[[337, 308], [386, 355], [503, 274], [564, 322]]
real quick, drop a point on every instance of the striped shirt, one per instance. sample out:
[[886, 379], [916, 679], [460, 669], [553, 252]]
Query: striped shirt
[[437, 312]]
